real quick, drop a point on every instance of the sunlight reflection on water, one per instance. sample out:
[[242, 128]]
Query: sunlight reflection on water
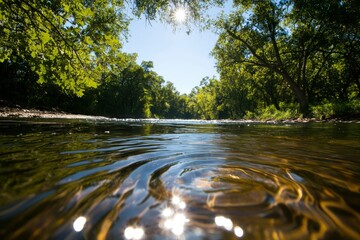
[[227, 223], [79, 224], [134, 233], [174, 218]]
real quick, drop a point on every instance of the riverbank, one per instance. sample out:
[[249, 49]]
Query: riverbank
[[18, 112]]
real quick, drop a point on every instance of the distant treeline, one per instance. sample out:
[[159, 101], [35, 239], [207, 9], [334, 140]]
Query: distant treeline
[[136, 92], [276, 59]]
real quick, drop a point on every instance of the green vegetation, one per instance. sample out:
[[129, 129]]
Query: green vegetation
[[328, 110], [135, 91], [291, 51], [276, 59], [285, 59]]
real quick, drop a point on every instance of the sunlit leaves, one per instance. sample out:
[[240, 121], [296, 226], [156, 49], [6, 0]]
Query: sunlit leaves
[[71, 43]]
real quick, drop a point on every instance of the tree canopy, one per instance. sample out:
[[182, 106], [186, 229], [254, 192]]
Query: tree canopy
[[309, 47], [74, 44]]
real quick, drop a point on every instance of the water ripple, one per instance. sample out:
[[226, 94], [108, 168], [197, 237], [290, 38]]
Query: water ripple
[[204, 182]]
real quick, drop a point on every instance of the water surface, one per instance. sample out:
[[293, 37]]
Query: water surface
[[78, 179]]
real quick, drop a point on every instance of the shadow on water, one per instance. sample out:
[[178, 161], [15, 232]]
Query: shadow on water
[[178, 179]]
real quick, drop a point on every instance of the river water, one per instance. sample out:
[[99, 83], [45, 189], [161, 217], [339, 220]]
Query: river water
[[113, 179]]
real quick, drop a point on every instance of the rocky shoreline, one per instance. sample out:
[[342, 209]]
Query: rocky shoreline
[[18, 112]]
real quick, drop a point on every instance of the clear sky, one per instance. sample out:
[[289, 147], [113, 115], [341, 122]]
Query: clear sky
[[178, 57]]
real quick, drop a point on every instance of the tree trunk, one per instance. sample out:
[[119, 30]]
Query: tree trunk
[[299, 95]]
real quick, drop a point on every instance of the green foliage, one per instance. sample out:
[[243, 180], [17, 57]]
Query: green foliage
[[292, 50], [250, 115], [73, 44], [331, 110], [72, 47], [323, 111], [284, 112], [271, 113], [135, 91], [205, 101]]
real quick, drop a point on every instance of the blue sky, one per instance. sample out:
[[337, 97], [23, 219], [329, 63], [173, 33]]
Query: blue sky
[[180, 58]]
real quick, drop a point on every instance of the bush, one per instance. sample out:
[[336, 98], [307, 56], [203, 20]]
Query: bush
[[287, 111], [272, 113], [325, 110], [333, 110], [250, 115]]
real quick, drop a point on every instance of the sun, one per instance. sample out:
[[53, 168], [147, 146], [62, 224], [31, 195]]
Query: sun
[[180, 15]]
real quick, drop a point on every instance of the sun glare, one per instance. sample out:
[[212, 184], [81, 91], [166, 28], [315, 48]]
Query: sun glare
[[180, 15]]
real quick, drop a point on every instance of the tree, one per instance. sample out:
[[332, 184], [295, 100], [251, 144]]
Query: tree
[[206, 100], [297, 41], [126, 94]]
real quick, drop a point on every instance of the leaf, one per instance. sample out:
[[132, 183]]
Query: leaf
[[55, 51], [45, 37], [2, 17], [87, 12], [66, 7], [88, 40]]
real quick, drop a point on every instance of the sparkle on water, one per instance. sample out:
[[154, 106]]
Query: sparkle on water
[[174, 218], [134, 233], [79, 224]]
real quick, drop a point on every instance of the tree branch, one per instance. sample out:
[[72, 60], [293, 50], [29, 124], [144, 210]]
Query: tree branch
[[323, 63], [57, 30], [252, 50]]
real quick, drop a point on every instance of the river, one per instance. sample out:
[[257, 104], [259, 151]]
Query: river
[[172, 179]]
